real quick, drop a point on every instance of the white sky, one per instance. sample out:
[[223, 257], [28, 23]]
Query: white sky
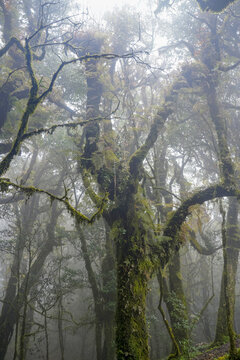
[[99, 7]]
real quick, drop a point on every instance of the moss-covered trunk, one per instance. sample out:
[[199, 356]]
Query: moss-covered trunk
[[229, 290], [176, 304], [131, 337], [132, 268], [231, 259], [109, 298], [221, 329], [173, 292]]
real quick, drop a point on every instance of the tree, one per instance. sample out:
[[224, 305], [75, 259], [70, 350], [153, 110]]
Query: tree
[[214, 6], [113, 170]]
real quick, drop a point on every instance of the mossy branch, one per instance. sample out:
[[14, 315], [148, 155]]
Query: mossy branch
[[96, 199], [30, 108], [34, 99], [52, 128], [5, 184], [179, 216], [34, 88], [226, 166], [136, 160]]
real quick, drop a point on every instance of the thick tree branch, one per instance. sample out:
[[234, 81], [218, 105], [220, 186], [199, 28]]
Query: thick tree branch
[[174, 224], [162, 115], [226, 165]]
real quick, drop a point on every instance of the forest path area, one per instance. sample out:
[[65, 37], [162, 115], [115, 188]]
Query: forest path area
[[215, 352]]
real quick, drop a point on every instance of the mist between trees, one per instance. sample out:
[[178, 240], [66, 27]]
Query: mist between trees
[[119, 165]]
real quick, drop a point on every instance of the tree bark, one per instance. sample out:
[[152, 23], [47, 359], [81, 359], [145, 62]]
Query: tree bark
[[228, 281], [132, 280], [232, 254]]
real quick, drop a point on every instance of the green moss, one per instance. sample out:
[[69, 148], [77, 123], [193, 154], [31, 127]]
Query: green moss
[[30, 108], [132, 339], [5, 184], [227, 356], [110, 157], [131, 233]]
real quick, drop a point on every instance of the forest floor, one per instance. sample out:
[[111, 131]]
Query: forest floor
[[216, 352]]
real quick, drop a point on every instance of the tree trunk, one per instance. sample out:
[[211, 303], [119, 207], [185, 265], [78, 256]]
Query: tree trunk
[[132, 269], [229, 285], [131, 337], [98, 304], [176, 305], [232, 235], [109, 298]]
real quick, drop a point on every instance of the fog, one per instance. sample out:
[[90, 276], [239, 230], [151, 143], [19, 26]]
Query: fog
[[119, 179]]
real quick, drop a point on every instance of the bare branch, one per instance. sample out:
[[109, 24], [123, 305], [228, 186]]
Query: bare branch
[[10, 74], [43, 27]]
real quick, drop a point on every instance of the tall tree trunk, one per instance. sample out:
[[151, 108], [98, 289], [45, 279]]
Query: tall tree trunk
[[231, 254], [97, 298], [28, 327], [60, 309], [109, 298], [173, 292], [132, 280], [176, 304], [229, 283], [131, 336]]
